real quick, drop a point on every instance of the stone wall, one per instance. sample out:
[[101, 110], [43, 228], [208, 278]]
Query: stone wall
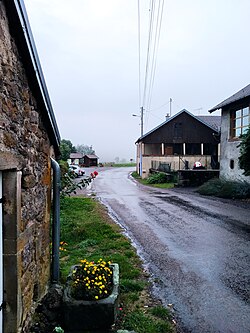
[[25, 151]]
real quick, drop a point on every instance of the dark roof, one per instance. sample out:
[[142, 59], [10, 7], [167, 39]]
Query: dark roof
[[21, 31], [213, 121], [76, 155], [206, 120], [243, 93], [92, 156]]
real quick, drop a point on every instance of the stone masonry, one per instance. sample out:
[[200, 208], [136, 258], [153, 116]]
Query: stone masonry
[[25, 151]]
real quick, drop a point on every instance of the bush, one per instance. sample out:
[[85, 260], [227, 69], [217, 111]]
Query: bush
[[244, 160], [225, 189], [157, 178]]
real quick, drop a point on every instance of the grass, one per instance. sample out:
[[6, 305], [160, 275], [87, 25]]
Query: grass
[[225, 189], [90, 233], [124, 164], [145, 182]]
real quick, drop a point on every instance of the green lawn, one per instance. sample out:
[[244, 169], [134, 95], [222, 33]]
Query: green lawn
[[90, 234]]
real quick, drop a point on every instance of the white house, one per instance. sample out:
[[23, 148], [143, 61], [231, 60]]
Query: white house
[[235, 120]]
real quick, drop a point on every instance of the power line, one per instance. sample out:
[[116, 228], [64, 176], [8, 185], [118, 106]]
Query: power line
[[155, 51], [148, 51], [139, 51], [155, 23]]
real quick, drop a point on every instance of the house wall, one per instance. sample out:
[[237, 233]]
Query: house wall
[[88, 162], [229, 152], [25, 152]]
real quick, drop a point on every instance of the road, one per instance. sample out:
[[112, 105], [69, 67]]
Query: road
[[196, 248]]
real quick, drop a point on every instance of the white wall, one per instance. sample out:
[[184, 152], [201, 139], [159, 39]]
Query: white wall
[[229, 151]]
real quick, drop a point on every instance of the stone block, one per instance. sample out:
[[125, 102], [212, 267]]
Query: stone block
[[82, 315]]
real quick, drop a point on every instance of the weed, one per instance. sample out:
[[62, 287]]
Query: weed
[[161, 312], [142, 322], [131, 285]]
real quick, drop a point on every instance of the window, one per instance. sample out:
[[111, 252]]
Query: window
[[240, 120], [231, 164], [173, 149], [178, 130], [193, 149]]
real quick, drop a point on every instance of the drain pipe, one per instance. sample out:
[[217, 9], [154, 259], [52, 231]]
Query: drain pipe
[[56, 220]]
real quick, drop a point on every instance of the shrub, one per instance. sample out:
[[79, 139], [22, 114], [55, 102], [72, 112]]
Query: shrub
[[244, 160], [157, 178], [225, 189]]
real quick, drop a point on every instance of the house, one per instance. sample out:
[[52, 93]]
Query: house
[[76, 158], [235, 119], [29, 143], [179, 142], [90, 160]]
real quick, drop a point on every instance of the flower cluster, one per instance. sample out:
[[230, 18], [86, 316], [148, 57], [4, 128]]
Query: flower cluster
[[94, 174], [92, 281], [62, 246]]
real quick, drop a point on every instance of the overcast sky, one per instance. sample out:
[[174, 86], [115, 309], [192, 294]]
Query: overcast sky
[[88, 50]]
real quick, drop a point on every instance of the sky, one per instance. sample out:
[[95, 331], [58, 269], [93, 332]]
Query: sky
[[89, 53]]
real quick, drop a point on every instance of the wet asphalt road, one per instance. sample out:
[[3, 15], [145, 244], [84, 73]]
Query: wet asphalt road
[[196, 248]]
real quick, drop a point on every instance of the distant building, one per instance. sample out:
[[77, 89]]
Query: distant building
[[90, 160], [76, 158], [235, 119], [179, 142]]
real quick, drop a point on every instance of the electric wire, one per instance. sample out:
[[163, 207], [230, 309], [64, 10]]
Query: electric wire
[[148, 51], [151, 23], [139, 51], [155, 52], [156, 9]]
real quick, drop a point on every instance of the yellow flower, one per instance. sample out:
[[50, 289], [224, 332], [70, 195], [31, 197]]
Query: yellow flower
[[96, 297]]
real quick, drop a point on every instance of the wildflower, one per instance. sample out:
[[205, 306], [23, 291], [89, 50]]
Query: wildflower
[[91, 280]]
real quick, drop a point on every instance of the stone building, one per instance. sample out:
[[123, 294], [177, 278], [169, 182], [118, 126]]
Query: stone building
[[235, 120], [29, 137]]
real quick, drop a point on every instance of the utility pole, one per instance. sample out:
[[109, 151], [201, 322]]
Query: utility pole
[[170, 107], [141, 141], [140, 145], [141, 120]]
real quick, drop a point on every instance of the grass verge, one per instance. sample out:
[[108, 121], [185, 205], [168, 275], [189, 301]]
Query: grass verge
[[146, 182], [89, 233]]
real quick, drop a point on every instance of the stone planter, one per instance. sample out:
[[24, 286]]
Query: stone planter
[[80, 315]]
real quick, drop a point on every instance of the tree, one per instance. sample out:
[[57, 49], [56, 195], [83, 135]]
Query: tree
[[85, 150], [66, 147], [244, 158]]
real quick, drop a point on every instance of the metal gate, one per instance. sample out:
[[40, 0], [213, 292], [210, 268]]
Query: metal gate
[[1, 254]]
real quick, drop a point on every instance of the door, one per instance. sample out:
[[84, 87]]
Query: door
[[1, 256]]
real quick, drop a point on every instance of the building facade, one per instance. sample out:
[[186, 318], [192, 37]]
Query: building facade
[[29, 138], [235, 120], [179, 142]]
